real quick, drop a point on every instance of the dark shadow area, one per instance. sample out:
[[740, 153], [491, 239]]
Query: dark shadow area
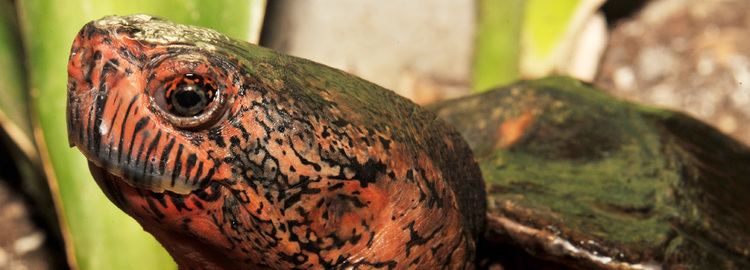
[[495, 253], [271, 22], [617, 10], [26, 240]]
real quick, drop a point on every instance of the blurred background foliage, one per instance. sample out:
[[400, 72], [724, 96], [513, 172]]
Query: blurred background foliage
[[425, 50]]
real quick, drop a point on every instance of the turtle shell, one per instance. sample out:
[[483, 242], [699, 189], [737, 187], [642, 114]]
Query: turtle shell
[[580, 179]]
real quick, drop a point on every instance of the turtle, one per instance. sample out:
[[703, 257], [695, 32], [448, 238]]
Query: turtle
[[237, 157], [234, 156]]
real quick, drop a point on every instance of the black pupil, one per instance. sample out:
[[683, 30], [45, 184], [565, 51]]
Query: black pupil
[[190, 96], [187, 98]]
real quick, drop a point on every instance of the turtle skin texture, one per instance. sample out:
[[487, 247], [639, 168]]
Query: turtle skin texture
[[237, 157]]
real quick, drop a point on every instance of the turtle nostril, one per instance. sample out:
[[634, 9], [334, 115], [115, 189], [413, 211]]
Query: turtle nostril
[[87, 64], [81, 63], [75, 72]]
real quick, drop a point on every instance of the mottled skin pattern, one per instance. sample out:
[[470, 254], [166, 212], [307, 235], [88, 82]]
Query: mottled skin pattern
[[292, 165]]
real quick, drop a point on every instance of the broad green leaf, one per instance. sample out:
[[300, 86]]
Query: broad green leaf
[[497, 45], [549, 30], [527, 38], [98, 235]]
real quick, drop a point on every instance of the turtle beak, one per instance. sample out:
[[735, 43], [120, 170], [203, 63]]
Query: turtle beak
[[95, 69], [81, 92]]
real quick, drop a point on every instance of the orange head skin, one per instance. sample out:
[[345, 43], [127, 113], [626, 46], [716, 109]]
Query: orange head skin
[[235, 157]]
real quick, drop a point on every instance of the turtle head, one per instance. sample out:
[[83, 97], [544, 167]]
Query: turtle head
[[241, 157], [150, 105], [143, 94]]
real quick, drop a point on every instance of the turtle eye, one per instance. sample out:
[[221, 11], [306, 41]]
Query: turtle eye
[[189, 100], [189, 95], [189, 90]]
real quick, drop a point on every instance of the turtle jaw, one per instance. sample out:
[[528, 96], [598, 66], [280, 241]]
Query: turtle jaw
[[134, 202], [115, 187], [108, 183]]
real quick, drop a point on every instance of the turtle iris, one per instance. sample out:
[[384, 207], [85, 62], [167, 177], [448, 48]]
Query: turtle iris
[[189, 91], [189, 95]]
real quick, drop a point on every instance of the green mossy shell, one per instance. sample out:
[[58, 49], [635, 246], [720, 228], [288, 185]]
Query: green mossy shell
[[579, 177]]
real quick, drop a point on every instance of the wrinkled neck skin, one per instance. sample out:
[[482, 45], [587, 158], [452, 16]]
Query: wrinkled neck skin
[[299, 166]]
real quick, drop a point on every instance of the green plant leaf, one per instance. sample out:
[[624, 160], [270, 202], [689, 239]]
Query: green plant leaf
[[526, 38], [548, 32], [497, 45], [97, 234]]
